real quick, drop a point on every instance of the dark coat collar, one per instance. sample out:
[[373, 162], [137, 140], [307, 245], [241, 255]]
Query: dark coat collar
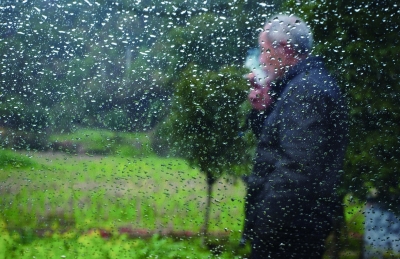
[[303, 65]]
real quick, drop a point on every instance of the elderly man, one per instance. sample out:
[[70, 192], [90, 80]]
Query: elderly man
[[299, 118]]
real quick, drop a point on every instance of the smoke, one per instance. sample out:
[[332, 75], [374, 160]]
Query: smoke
[[254, 65]]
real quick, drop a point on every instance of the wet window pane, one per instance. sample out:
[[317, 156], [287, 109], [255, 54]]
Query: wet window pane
[[199, 129]]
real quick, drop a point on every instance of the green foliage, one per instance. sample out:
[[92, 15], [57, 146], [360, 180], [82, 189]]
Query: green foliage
[[16, 117], [358, 41], [103, 142], [205, 34], [209, 37], [204, 124], [69, 68], [10, 159], [110, 65]]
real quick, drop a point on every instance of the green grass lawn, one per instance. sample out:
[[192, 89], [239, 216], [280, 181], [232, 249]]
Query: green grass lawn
[[92, 191], [55, 204]]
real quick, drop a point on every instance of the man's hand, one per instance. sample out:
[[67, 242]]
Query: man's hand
[[259, 97]]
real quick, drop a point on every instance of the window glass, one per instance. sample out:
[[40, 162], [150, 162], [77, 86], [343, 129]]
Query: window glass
[[172, 129]]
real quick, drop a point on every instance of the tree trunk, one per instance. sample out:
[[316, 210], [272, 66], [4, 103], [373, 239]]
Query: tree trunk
[[210, 183]]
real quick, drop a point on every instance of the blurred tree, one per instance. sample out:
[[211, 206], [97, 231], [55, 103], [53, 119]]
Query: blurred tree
[[359, 42], [78, 64], [67, 60], [78, 61], [204, 125]]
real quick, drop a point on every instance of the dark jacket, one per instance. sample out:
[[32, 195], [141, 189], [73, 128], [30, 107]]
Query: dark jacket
[[299, 157]]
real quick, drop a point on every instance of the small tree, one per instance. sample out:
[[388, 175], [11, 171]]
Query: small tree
[[204, 125]]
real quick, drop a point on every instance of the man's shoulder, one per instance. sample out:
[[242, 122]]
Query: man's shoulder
[[315, 79]]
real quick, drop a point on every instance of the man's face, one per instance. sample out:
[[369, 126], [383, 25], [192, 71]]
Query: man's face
[[272, 57]]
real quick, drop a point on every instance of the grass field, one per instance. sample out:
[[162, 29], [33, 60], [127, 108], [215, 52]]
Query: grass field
[[90, 192], [83, 205], [50, 193]]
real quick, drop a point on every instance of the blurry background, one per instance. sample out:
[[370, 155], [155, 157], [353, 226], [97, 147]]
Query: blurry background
[[129, 81]]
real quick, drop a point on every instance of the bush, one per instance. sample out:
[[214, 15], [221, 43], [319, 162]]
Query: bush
[[102, 142], [11, 159]]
